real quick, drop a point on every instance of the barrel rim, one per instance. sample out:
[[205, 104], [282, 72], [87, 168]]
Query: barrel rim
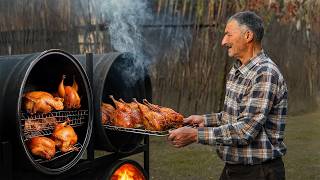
[[98, 81], [69, 165]]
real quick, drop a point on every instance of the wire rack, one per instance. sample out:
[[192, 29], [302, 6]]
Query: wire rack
[[43, 124], [59, 154], [137, 131]]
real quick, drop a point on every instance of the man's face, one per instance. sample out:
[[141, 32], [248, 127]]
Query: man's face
[[234, 39]]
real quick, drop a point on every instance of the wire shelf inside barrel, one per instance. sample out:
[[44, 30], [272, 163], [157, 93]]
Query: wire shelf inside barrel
[[43, 124], [137, 131], [59, 154]]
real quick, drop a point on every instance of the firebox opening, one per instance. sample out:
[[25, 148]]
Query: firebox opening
[[128, 171], [125, 169]]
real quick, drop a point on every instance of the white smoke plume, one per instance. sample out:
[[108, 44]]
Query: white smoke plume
[[124, 18], [133, 27]]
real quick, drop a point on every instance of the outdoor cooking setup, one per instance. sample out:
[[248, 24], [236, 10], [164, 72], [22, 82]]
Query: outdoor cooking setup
[[35, 108], [110, 77], [40, 73]]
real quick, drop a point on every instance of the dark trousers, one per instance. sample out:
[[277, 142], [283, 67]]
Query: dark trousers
[[271, 170]]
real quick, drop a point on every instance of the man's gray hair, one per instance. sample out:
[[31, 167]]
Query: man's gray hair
[[252, 21]]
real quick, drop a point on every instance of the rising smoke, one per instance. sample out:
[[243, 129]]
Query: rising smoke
[[127, 20], [124, 19]]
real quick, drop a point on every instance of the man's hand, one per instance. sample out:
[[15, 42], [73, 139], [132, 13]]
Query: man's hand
[[194, 120], [183, 136]]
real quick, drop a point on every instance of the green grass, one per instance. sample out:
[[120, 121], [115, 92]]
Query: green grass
[[302, 138], [193, 162], [302, 161]]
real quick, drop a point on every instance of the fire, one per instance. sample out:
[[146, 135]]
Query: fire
[[126, 175], [128, 172]]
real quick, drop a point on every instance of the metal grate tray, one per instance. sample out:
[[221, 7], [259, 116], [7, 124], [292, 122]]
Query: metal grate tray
[[137, 131], [59, 155], [38, 124]]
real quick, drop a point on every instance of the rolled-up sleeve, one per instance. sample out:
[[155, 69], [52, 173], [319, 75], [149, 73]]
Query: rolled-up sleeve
[[252, 115]]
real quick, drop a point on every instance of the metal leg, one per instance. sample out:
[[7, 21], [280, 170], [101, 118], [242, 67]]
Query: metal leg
[[89, 69], [146, 156], [5, 160], [90, 150]]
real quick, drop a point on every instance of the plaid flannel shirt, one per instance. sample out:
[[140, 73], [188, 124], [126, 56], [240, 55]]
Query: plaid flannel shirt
[[250, 129]]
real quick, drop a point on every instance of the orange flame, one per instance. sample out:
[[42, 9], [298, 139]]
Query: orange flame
[[128, 172]]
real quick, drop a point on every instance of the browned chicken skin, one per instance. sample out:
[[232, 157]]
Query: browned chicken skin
[[107, 113], [152, 120], [135, 113], [126, 114], [138, 115], [40, 101], [173, 119], [65, 137], [42, 146], [69, 94]]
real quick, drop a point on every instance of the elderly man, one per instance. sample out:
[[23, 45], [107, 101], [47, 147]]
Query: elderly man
[[248, 134]]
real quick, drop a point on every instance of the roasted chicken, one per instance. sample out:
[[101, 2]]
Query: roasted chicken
[[126, 114], [42, 146], [69, 94], [152, 120], [159, 118], [39, 124], [135, 113], [140, 115], [65, 137], [107, 113], [40, 101], [173, 119]]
